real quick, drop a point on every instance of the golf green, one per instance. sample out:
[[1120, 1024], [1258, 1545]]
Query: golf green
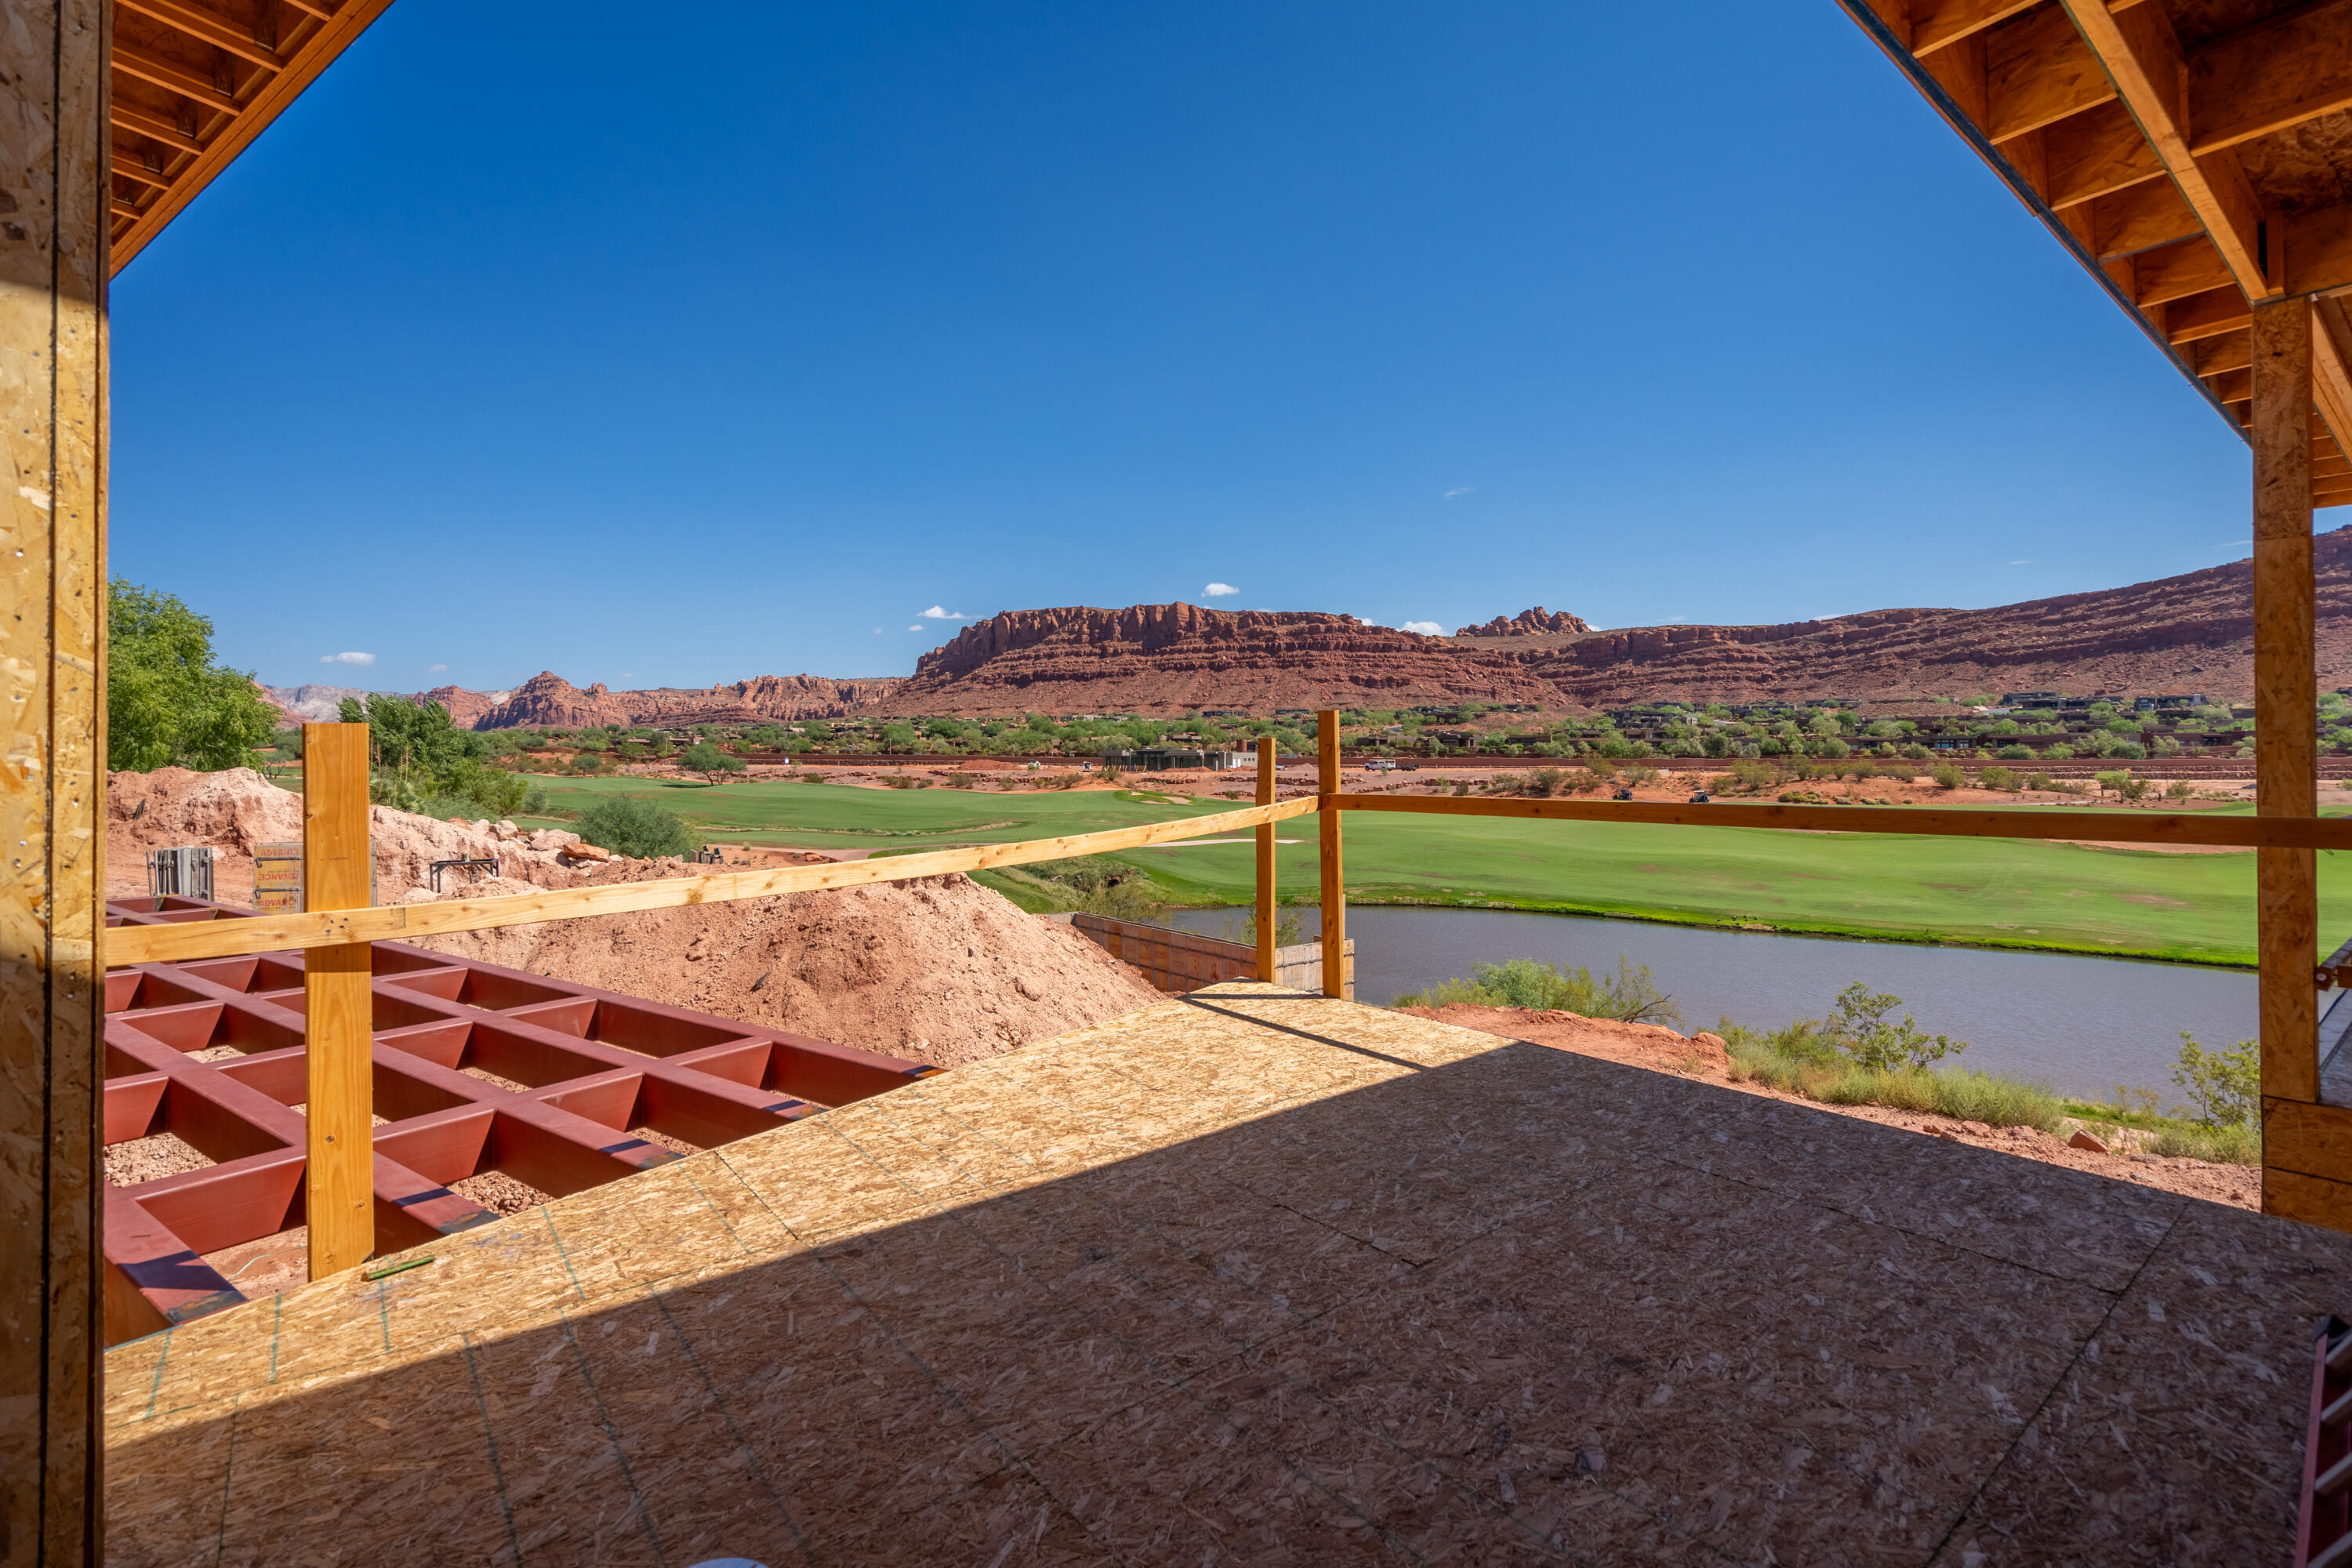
[[1996, 892]]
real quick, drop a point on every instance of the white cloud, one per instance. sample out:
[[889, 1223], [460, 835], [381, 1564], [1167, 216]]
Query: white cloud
[[937, 613], [1426, 628], [436, 669], [1218, 590], [347, 659], [1459, 490]]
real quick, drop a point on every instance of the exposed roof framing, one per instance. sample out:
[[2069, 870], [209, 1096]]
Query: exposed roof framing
[[2195, 154], [195, 81]]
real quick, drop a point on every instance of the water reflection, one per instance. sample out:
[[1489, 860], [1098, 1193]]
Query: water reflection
[[2080, 1025]]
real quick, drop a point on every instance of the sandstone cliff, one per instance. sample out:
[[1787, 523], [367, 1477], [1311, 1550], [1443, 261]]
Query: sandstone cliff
[[547, 700], [1181, 658], [2189, 633], [1537, 622]]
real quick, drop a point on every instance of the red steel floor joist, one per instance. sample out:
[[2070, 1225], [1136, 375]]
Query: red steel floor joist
[[593, 1065]]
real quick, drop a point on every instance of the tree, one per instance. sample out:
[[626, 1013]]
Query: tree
[[2226, 1086], [167, 702], [707, 760], [628, 826]]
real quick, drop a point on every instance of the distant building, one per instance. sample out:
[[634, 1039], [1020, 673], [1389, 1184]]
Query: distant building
[[1159, 759], [2151, 704], [2031, 698]]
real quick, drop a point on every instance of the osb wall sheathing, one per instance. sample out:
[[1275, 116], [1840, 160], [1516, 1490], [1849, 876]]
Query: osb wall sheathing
[[1256, 1276]]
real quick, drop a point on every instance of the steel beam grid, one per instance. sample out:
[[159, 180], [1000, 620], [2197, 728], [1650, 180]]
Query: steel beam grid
[[596, 1064]]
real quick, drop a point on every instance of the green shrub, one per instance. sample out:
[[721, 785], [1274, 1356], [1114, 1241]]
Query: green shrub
[[1947, 776], [639, 829], [1630, 995], [1998, 778], [2225, 1087], [2225, 1145], [1446, 993]]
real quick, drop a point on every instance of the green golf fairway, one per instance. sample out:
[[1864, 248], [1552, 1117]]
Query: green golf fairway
[[1987, 892]]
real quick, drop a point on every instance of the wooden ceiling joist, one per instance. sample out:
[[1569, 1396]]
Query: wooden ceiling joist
[[2192, 154], [195, 81]]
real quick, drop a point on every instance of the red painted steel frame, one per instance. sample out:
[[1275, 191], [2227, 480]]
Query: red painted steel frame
[[596, 1064]]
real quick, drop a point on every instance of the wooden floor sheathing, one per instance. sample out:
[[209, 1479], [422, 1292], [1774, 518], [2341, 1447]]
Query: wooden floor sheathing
[[1263, 1278]]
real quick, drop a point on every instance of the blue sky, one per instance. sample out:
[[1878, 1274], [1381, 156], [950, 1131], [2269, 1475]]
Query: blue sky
[[538, 337]]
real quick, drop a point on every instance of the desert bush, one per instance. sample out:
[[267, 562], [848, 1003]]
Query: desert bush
[[2239, 1145], [904, 781], [1947, 776], [1447, 993], [1630, 995], [2223, 1087], [1801, 1060], [2037, 781], [1998, 778], [627, 825], [2015, 754]]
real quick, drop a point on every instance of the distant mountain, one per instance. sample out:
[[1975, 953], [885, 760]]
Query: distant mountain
[[323, 704], [1182, 658], [2189, 633], [547, 700]]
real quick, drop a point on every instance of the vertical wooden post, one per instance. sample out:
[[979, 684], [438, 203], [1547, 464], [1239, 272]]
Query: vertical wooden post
[[53, 425], [1265, 932], [2286, 714], [1335, 886], [339, 1176]]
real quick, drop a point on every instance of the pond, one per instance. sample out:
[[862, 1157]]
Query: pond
[[2081, 1025]]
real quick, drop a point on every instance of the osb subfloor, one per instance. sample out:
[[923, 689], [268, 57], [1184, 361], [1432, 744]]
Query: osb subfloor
[[1260, 1277]]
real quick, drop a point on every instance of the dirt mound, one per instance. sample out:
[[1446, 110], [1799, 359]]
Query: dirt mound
[[942, 971], [236, 809]]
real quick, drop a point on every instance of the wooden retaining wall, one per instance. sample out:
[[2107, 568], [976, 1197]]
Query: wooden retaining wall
[[1181, 961]]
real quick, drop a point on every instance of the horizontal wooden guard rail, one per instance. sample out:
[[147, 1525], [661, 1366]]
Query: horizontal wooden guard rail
[[2096, 827], [173, 943]]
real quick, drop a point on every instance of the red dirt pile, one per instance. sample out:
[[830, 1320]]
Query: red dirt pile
[[1702, 1057], [942, 971]]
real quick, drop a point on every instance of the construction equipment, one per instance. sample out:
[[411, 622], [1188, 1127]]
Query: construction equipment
[[2324, 1538], [181, 873], [470, 867]]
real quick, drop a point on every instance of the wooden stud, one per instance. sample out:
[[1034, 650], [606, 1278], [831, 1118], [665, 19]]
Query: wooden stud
[[1335, 887], [2285, 690], [53, 425], [1266, 918], [173, 942], [338, 1179]]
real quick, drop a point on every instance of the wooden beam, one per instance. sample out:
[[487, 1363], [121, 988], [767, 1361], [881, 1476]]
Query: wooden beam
[[2038, 71], [2142, 57], [1334, 935], [1267, 765], [1940, 24], [1934, 821], [2285, 726], [345, 23], [174, 77], [2230, 351], [338, 1178], [2331, 370], [2319, 250], [2231, 385], [210, 28], [169, 132], [2206, 315], [2141, 218], [2177, 271], [173, 943], [53, 425], [2091, 154], [2271, 77]]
